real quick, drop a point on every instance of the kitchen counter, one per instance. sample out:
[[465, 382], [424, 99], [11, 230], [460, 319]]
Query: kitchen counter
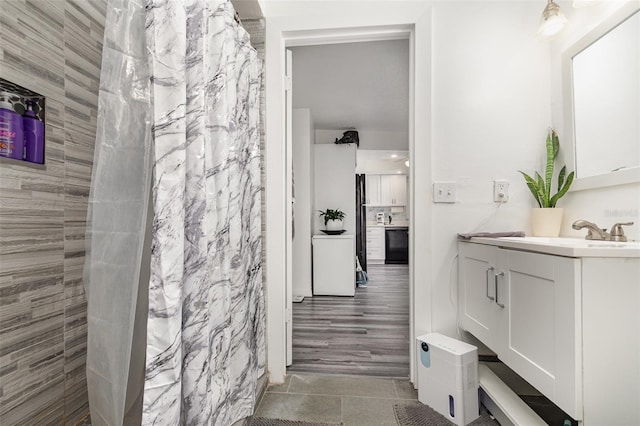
[[386, 225]]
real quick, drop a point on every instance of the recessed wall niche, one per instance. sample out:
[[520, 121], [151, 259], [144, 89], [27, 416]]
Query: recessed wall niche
[[22, 112]]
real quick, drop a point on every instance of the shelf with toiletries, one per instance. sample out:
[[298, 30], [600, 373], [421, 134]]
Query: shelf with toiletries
[[22, 124]]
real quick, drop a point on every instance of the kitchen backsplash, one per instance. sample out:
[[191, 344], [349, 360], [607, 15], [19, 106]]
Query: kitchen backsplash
[[399, 215]]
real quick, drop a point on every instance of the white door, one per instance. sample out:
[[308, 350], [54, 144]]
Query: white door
[[539, 322], [289, 201], [478, 309]]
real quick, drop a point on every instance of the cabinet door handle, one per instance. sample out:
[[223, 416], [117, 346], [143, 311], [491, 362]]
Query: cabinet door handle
[[486, 275], [499, 274]]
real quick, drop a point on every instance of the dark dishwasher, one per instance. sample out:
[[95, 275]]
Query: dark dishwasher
[[396, 245]]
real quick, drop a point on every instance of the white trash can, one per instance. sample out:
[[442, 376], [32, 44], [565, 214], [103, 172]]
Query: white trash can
[[448, 377]]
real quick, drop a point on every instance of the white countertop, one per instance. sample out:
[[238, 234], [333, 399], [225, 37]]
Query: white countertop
[[385, 225], [345, 236], [568, 247]]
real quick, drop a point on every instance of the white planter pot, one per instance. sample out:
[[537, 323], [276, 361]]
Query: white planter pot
[[334, 225], [546, 222]]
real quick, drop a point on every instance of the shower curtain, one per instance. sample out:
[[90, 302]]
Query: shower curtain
[[178, 116]]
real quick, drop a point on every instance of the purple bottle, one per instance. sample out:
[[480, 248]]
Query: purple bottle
[[33, 135], [11, 135]]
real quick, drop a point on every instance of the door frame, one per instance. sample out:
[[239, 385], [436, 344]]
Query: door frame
[[412, 23]]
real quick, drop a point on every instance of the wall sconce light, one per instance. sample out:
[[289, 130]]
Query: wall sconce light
[[406, 163], [552, 22]]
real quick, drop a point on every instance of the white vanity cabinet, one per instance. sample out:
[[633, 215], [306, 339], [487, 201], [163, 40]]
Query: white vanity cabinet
[[522, 306], [570, 326]]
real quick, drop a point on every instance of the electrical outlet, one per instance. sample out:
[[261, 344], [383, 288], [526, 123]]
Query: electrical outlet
[[444, 192], [500, 191]]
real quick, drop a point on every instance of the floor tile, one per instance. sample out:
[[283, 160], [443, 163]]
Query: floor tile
[[310, 408], [339, 385], [359, 411], [280, 387], [405, 389]]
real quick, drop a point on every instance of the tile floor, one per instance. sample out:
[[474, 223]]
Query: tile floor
[[353, 401]]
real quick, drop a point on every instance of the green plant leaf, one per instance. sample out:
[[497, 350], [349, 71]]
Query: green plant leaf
[[330, 214], [532, 185], [543, 196], [563, 172], [562, 191], [540, 186], [552, 140], [555, 140]]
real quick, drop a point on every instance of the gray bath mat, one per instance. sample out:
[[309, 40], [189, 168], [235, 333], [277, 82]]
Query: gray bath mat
[[417, 414], [263, 421]]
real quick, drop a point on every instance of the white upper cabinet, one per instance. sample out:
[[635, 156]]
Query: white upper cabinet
[[386, 190], [373, 190]]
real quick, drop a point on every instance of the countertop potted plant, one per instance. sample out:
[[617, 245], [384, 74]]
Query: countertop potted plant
[[547, 218], [332, 219]]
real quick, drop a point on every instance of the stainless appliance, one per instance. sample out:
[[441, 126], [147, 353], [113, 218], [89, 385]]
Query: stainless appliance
[[396, 245]]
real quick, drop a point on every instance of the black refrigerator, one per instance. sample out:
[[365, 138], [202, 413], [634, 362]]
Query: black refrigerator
[[361, 220]]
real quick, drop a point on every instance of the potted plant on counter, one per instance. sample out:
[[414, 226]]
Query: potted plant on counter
[[546, 220], [332, 219]]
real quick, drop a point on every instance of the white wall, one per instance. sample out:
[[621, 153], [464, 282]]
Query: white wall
[[482, 108], [604, 206], [303, 211], [369, 139], [335, 183], [491, 110]]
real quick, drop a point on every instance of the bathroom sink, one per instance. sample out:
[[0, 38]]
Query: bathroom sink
[[564, 246]]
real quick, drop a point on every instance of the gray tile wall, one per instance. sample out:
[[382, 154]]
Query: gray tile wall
[[52, 47]]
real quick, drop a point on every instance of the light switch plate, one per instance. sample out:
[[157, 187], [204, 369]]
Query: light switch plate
[[444, 192]]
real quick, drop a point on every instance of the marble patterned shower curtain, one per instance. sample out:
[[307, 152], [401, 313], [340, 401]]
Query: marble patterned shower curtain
[[205, 330], [182, 81]]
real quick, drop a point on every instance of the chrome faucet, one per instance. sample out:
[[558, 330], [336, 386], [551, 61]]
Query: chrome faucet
[[595, 233]]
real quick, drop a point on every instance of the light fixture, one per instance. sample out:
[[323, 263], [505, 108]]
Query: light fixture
[[394, 155], [552, 22], [406, 163]]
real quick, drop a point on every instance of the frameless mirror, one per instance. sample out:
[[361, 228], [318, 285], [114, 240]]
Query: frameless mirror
[[604, 103]]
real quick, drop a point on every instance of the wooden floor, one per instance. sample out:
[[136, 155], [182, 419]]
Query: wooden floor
[[363, 335]]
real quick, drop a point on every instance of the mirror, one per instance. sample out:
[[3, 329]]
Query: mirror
[[603, 108]]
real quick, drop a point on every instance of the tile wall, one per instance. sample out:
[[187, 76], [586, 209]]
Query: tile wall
[[52, 47], [398, 215]]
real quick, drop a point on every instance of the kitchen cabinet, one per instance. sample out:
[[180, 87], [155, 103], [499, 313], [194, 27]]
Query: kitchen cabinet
[[393, 190], [373, 190], [375, 244], [567, 325], [386, 190]]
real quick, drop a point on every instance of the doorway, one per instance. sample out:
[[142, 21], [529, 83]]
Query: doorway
[[359, 89], [284, 32]]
